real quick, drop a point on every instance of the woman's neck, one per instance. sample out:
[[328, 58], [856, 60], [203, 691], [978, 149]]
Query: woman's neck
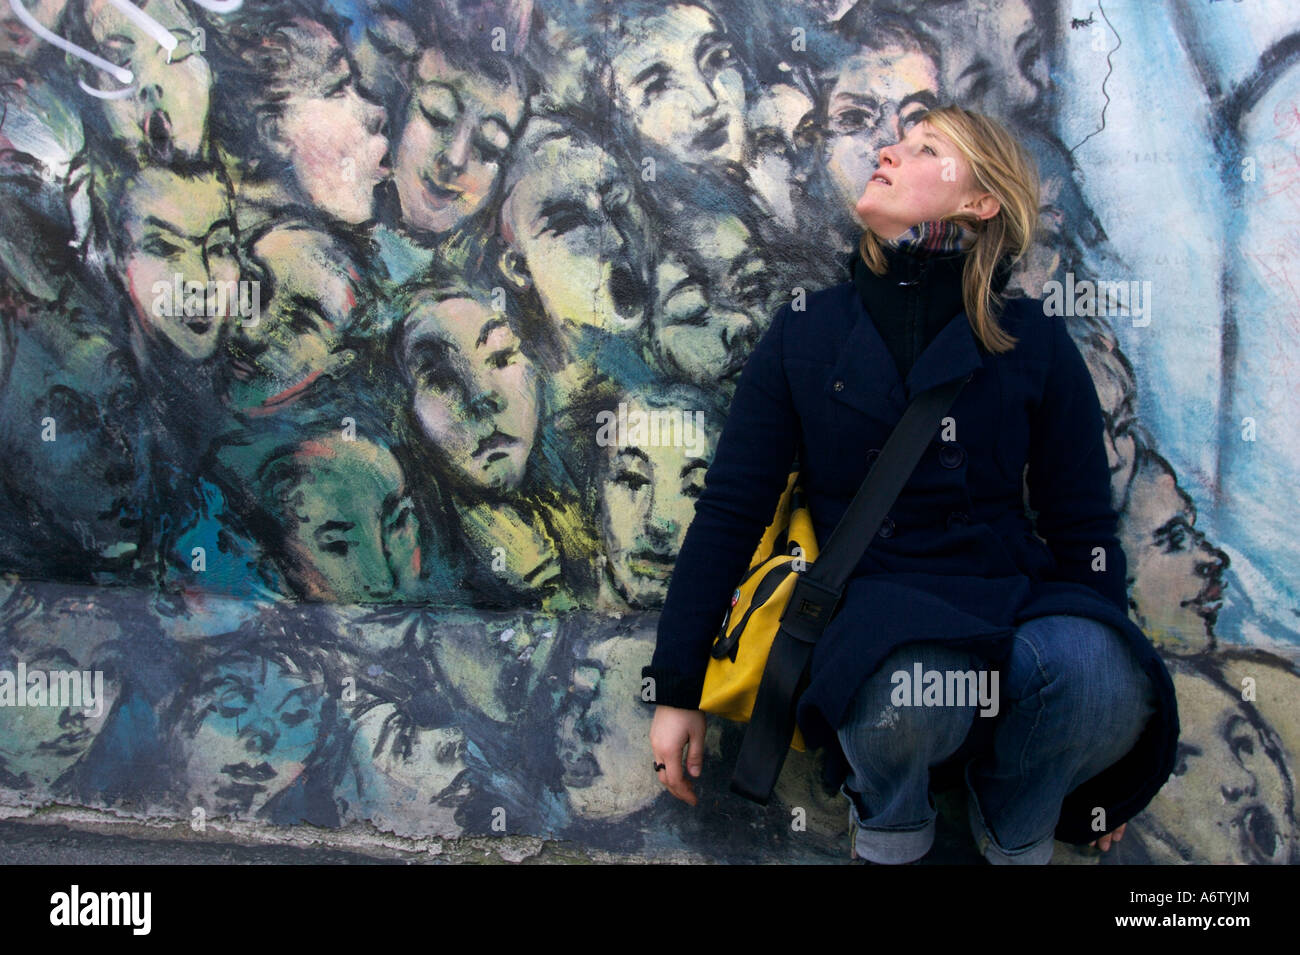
[[937, 236]]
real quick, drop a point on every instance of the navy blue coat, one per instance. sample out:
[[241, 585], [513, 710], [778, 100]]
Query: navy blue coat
[[957, 559]]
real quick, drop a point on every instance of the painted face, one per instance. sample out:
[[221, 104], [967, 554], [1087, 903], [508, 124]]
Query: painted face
[[523, 553], [297, 337], [677, 80], [167, 114], [475, 390], [993, 59], [458, 129], [707, 303], [779, 163], [581, 233], [180, 227], [85, 477], [333, 138], [1230, 797], [648, 500], [599, 737], [43, 742], [874, 101], [1177, 574], [351, 534], [926, 178], [20, 42]]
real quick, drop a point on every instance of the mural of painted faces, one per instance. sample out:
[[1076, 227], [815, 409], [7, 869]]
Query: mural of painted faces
[[475, 391], [648, 484], [676, 80], [296, 337], [167, 113], [349, 531], [873, 102], [333, 138], [175, 226], [1231, 798], [710, 303], [575, 231], [458, 130]]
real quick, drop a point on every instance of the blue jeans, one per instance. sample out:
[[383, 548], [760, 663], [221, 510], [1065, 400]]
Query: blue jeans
[[1073, 700]]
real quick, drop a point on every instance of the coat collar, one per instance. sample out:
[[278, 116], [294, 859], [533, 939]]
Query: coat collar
[[870, 379]]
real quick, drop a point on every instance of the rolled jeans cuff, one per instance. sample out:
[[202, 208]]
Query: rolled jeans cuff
[[894, 846], [1036, 853]]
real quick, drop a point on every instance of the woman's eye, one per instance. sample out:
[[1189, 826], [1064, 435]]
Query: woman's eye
[[157, 246], [503, 358], [1243, 744], [693, 490], [434, 120], [337, 547], [696, 319], [852, 120], [632, 479], [929, 149]]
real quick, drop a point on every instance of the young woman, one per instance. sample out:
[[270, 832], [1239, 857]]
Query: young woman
[[1080, 727]]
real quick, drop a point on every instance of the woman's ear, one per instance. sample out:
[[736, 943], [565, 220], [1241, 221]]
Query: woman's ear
[[513, 267], [984, 207], [268, 131]]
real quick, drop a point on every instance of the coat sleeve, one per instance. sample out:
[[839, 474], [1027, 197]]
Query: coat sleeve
[[1069, 476], [751, 465]]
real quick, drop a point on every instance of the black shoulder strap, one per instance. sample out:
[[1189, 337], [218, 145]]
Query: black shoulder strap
[[818, 590]]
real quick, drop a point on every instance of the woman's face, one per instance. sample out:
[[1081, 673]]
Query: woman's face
[[296, 338], [475, 390], [875, 100], [333, 137], [575, 223], [647, 502], [351, 534], [708, 303], [182, 230], [167, 113], [676, 79], [458, 129], [926, 178]]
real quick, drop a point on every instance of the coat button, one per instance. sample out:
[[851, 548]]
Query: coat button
[[886, 528], [958, 518], [871, 456], [839, 384], [951, 455]]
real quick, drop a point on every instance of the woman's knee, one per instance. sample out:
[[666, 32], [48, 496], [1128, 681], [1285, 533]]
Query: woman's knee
[[1083, 673], [892, 724]]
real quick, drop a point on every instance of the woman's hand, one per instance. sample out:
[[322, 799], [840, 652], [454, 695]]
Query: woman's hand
[[671, 730], [1104, 842]]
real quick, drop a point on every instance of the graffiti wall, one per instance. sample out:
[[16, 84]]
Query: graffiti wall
[[333, 335]]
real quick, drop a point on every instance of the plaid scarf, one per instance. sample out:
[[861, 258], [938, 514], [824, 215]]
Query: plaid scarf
[[938, 235]]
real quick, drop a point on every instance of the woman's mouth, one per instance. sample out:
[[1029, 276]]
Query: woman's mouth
[[492, 442], [714, 136], [158, 131], [436, 192], [882, 179]]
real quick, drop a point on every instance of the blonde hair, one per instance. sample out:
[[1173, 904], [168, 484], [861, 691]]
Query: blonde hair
[[1003, 167]]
